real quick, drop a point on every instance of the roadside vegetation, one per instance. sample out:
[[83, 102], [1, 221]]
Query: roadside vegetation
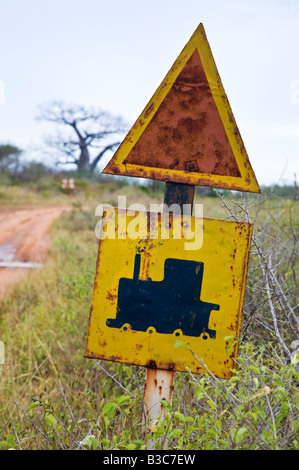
[[51, 397]]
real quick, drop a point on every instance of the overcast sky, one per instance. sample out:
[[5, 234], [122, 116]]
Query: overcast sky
[[113, 54]]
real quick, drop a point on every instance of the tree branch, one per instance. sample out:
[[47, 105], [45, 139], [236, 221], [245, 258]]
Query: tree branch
[[100, 155], [93, 128]]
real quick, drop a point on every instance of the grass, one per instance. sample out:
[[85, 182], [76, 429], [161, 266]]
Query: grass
[[48, 192], [53, 398]]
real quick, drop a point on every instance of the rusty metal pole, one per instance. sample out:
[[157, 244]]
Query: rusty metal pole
[[159, 384]]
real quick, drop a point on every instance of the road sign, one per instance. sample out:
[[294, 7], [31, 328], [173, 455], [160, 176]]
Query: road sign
[[187, 133], [159, 305]]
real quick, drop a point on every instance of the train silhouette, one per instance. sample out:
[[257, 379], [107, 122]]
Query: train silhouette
[[172, 305]]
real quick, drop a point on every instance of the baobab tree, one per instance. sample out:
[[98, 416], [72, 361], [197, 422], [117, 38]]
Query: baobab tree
[[85, 134]]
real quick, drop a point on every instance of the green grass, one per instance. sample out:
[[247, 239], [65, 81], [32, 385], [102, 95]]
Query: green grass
[[51, 397]]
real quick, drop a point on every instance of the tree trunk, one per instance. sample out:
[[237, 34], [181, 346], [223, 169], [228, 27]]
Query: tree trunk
[[83, 161]]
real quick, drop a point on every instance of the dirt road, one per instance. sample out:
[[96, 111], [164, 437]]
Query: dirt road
[[24, 242]]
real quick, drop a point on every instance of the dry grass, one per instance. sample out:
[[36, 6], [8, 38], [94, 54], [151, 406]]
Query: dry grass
[[53, 398]]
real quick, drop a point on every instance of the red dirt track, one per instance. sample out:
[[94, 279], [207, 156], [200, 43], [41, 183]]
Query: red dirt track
[[24, 237]]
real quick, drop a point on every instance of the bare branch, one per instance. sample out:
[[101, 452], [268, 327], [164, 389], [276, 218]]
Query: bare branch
[[92, 127], [276, 296], [101, 154]]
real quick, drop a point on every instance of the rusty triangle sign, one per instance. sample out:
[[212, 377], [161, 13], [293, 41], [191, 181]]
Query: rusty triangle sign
[[187, 133]]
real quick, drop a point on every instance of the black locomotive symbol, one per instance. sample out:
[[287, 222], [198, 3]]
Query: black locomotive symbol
[[172, 305]]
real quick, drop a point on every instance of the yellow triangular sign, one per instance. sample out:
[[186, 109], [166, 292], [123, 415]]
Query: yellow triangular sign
[[187, 133]]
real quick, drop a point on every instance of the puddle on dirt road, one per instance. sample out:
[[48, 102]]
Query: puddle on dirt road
[[7, 258], [7, 252]]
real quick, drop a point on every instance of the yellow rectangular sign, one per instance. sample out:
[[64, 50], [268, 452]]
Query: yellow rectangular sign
[[164, 299]]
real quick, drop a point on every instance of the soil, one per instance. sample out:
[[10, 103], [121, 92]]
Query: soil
[[24, 242]]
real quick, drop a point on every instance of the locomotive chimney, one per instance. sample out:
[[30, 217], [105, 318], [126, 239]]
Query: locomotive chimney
[[137, 267]]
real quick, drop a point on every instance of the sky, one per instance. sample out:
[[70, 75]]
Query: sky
[[113, 55]]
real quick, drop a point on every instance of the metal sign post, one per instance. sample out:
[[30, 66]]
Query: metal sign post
[[159, 384], [150, 289]]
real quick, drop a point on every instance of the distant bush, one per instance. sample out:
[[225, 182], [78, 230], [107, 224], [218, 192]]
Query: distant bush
[[287, 191], [33, 172]]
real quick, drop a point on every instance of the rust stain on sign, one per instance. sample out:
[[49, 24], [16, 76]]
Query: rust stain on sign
[[174, 307], [187, 132], [182, 138]]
